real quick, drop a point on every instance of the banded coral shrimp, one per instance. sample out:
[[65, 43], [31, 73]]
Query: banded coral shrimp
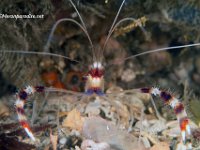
[[95, 80]]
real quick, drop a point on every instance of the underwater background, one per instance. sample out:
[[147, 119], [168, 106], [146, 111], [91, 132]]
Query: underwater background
[[66, 120]]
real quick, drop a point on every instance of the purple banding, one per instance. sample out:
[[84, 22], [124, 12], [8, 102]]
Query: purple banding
[[165, 96], [178, 109], [94, 91], [23, 95], [20, 110], [39, 88], [145, 90]]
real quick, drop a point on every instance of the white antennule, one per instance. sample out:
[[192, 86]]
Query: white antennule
[[46, 48], [113, 24], [82, 26]]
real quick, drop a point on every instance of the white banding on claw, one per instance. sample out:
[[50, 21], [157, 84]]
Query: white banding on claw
[[155, 91], [29, 90], [188, 129], [21, 117], [181, 115], [183, 135], [174, 102], [19, 103], [29, 134]]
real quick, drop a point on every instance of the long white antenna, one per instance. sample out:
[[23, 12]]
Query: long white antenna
[[46, 48], [159, 50], [83, 24], [38, 53], [110, 31]]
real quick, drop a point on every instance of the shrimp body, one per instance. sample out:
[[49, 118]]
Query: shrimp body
[[95, 80]]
